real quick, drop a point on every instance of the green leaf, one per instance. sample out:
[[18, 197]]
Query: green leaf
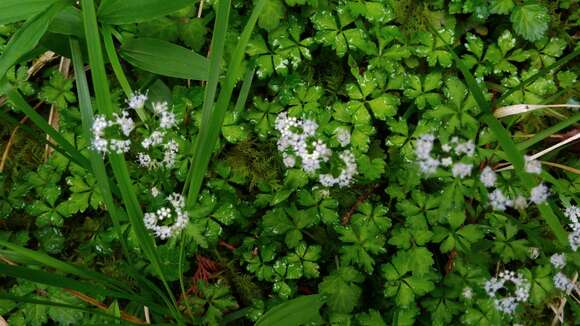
[[165, 58], [118, 12], [295, 312], [530, 21], [271, 15], [28, 36], [501, 7], [340, 289], [15, 10], [58, 91], [363, 241]]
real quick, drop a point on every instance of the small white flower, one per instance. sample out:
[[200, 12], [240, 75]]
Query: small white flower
[[493, 285], [499, 201], [563, 283], [101, 145], [343, 137], [125, 123], [461, 170], [160, 107], [509, 302], [467, 293], [120, 146], [424, 146], [539, 194], [446, 148], [533, 166], [447, 161], [288, 160], [467, 148], [156, 138], [346, 175], [144, 160], [558, 260], [506, 305], [488, 177], [309, 127], [534, 252], [137, 101], [520, 202], [155, 192], [574, 239], [167, 120], [429, 166], [573, 213]]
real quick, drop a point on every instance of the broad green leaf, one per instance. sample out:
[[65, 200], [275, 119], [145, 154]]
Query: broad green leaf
[[118, 12], [28, 36], [340, 289], [530, 21], [271, 15], [299, 311], [165, 58], [15, 10]]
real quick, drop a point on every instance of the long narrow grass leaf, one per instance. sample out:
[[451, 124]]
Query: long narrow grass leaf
[[545, 133], [21, 104], [543, 72], [118, 164], [28, 36], [25, 299], [97, 163], [117, 69], [212, 119], [64, 267]]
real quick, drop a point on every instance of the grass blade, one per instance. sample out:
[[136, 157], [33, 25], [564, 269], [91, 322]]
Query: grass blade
[[51, 262], [24, 299], [117, 69], [549, 131], [14, 96], [212, 119], [118, 164], [96, 161], [542, 72], [28, 36]]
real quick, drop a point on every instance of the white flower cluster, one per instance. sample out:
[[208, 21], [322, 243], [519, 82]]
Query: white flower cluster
[[428, 163], [102, 143], [160, 138], [561, 281], [467, 293], [533, 166], [137, 101], [180, 217], [558, 260], [500, 202], [564, 283], [573, 214], [298, 144], [346, 176], [125, 125], [520, 290]]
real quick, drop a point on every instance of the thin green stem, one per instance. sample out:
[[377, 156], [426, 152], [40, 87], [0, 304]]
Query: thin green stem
[[117, 69]]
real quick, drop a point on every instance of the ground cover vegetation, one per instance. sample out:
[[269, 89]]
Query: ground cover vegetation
[[289, 162]]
